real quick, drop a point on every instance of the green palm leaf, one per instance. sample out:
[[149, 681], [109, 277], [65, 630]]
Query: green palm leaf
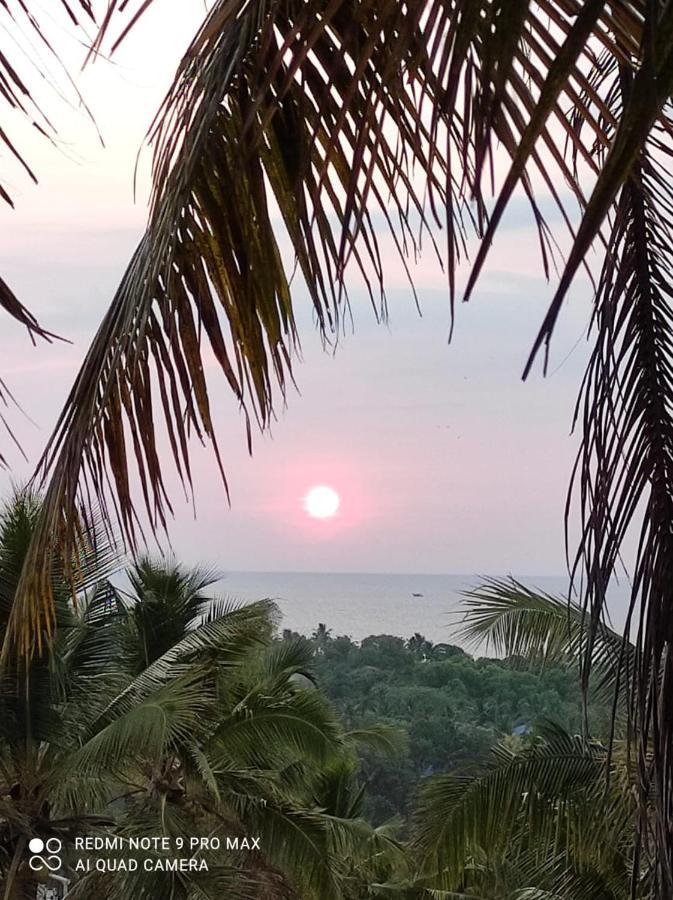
[[545, 803], [514, 620]]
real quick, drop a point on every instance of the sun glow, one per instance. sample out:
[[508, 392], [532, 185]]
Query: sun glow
[[322, 502]]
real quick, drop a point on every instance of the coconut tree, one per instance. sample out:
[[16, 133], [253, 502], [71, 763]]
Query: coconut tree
[[356, 115], [270, 719], [75, 725], [552, 814], [420, 645], [541, 821], [32, 700], [131, 728]]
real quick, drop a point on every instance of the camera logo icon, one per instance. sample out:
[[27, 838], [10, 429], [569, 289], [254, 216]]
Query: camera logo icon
[[45, 855]]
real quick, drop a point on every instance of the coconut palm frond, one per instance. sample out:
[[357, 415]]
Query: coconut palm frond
[[298, 841], [222, 643], [150, 727], [260, 723], [386, 740], [25, 43], [21, 71], [543, 812], [343, 118], [624, 468], [287, 659], [515, 620], [11, 304]]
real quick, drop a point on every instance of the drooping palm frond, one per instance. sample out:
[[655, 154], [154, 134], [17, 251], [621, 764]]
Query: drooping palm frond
[[340, 115], [21, 70], [149, 727], [625, 465], [24, 49], [11, 304], [302, 721], [386, 740]]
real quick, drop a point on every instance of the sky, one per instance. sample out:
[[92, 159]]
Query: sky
[[444, 460]]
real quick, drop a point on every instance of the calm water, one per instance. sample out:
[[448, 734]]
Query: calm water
[[360, 605]]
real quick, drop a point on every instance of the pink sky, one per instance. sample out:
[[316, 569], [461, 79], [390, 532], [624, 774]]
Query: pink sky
[[444, 460]]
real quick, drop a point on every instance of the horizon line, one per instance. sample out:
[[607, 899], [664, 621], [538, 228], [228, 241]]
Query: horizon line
[[234, 571]]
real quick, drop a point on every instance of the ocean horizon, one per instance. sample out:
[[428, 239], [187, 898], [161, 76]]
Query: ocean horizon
[[359, 604]]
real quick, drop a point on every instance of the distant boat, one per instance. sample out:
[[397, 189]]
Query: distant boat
[[417, 595]]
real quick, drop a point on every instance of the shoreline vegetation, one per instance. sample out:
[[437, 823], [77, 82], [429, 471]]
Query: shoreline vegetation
[[449, 706]]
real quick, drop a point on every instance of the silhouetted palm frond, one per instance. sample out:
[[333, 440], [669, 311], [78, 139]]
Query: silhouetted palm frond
[[625, 467], [24, 44], [342, 116]]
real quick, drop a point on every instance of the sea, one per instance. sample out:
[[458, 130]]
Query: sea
[[359, 605]]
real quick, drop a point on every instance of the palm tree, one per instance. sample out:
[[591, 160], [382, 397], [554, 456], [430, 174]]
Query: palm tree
[[343, 114], [321, 637], [552, 816], [420, 645], [207, 727], [163, 600], [269, 719], [538, 822], [377, 866], [32, 780]]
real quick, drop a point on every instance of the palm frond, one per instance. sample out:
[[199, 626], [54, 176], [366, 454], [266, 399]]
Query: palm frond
[[386, 740], [20, 73], [534, 801], [339, 116], [514, 620], [261, 724], [298, 842], [11, 304], [24, 21], [148, 728], [624, 468], [165, 601], [221, 644]]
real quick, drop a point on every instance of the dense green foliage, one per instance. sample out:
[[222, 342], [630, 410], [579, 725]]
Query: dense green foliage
[[452, 707]]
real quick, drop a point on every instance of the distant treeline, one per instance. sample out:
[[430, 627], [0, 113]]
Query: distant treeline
[[451, 706]]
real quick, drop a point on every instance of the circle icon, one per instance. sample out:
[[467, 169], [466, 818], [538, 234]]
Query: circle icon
[[39, 862]]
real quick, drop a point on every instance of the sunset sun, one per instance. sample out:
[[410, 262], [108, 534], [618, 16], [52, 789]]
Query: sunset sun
[[322, 502]]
